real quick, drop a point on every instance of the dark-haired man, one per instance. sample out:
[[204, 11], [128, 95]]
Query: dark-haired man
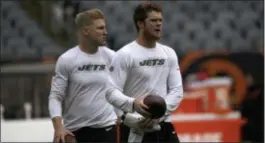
[[143, 67]]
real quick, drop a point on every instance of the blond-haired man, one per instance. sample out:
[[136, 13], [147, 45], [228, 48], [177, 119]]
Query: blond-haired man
[[77, 103]]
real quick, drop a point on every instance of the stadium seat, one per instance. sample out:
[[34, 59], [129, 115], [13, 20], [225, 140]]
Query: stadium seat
[[226, 16], [38, 42], [175, 39], [7, 54], [239, 44], [8, 5], [204, 18], [240, 6], [247, 20], [50, 51], [27, 53], [214, 45], [14, 14], [217, 6], [9, 33], [254, 34], [31, 32], [186, 6], [17, 43]]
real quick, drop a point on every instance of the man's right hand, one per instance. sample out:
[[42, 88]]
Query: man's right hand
[[60, 134], [141, 108]]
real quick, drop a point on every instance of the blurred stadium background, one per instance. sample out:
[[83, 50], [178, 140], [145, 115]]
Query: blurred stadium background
[[211, 38]]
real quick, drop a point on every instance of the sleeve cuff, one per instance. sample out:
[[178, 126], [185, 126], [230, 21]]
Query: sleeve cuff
[[55, 115], [130, 105]]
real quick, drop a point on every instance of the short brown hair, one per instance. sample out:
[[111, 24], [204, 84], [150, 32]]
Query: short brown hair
[[142, 10], [86, 17]]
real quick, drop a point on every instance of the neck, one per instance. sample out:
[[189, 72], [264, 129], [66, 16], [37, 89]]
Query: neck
[[87, 46], [145, 41]]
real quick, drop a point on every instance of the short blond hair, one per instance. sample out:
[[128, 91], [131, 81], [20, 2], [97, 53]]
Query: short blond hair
[[87, 17]]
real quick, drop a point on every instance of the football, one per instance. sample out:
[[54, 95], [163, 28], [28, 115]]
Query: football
[[157, 106]]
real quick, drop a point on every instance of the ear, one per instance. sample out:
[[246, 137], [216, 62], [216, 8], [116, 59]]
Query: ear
[[140, 24], [86, 30]]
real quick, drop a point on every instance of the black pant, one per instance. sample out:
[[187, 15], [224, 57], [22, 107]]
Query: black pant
[[167, 134], [92, 135]]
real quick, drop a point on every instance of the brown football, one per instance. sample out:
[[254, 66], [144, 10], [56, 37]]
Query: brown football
[[157, 106]]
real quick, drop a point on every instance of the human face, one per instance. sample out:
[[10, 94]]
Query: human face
[[153, 24], [97, 32]]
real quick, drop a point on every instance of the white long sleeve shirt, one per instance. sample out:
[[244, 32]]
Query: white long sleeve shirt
[[139, 71], [78, 89]]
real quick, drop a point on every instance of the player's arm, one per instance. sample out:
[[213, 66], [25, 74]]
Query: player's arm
[[118, 76], [174, 84], [57, 94], [110, 55], [117, 79]]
